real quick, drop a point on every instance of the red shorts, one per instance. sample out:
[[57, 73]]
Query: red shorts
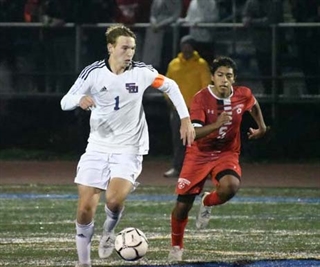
[[194, 172]]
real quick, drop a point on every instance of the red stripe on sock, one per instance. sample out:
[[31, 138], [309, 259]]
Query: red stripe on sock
[[212, 199]]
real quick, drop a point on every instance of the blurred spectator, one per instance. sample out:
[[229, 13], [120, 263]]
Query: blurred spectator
[[308, 41], [157, 49], [133, 11], [202, 11], [230, 10], [191, 73], [58, 42], [130, 12], [185, 6], [33, 58], [10, 11], [258, 15], [33, 11]]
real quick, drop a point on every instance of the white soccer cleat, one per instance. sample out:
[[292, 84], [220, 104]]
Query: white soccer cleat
[[203, 217], [175, 254], [82, 265], [106, 245]]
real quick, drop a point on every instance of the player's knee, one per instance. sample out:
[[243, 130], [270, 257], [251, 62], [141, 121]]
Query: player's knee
[[229, 182], [114, 204], [233, 186], [228, 187], [84, 214]]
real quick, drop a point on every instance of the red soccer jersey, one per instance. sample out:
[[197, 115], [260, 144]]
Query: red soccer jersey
[[206, 107]]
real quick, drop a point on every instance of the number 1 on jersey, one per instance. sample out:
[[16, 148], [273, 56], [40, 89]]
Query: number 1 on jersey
[[116, 105]]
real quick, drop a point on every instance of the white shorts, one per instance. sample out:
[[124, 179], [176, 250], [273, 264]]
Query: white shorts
[[96, 169]]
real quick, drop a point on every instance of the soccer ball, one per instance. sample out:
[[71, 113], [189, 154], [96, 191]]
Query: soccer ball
[[131, 244]]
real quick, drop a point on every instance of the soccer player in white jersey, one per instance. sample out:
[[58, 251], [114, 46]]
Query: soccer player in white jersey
[[113, 90]]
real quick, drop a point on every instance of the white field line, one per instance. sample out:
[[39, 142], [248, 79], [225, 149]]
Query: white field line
[[234, 217], [43, 223], [204, 233], [65, 238]]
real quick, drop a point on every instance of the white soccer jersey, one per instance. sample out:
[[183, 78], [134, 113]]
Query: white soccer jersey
[[118, 123]]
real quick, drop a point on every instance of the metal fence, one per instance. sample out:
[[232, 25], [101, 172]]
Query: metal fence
[[45, 61]]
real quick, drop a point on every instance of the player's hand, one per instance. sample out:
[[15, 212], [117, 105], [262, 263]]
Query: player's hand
[[86, 103], [187, 132], [257, 133], [223, 118]]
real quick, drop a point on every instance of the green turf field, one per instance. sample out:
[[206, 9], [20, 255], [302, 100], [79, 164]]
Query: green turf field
[[37, 226]]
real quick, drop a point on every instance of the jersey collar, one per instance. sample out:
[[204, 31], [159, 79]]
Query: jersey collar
[[108, 66], [219, 98]]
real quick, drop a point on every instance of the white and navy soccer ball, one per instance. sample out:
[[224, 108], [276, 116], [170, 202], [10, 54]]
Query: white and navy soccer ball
[[131, 244]]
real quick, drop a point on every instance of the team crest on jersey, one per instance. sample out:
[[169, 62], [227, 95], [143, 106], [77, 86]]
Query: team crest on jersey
[[132, 88], [183, 182], [238, 108]]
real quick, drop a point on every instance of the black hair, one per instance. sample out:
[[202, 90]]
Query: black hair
[[223, 61]]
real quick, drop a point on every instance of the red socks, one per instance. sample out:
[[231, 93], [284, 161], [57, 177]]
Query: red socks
[[178, 226], [177, 231], [212, 199]]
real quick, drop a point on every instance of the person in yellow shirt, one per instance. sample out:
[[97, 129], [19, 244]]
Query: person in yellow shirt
[[191, 72]]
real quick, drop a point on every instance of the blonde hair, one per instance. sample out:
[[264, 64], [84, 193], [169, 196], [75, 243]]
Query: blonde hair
[[114, 31]]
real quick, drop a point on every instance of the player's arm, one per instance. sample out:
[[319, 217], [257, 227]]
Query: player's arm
[[171, 88], [256, 114], [77, 96], [203, 131]]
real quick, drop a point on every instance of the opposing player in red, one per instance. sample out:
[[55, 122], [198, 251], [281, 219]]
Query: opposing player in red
[[216, 113]]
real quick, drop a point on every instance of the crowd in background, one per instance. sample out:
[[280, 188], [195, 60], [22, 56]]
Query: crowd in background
[[49, 52]]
